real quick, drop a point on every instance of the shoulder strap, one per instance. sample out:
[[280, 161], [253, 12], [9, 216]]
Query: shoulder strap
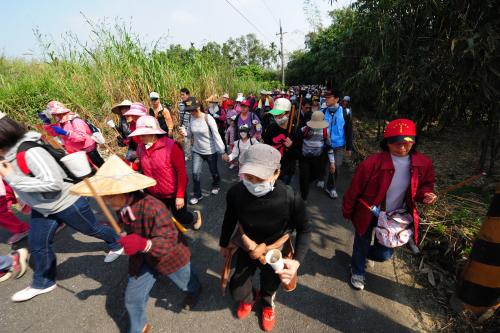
[[21, 155], [208, 125], [306, 132]]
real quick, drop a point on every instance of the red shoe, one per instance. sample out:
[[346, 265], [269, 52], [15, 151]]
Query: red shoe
[[244, 309], [268, 318]]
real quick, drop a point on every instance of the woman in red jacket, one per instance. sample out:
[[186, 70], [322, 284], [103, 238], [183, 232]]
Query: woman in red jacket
[[162, 159], [395, 178]]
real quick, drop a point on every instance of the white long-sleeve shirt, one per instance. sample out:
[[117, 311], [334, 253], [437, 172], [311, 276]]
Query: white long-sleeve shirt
[[206, 140]]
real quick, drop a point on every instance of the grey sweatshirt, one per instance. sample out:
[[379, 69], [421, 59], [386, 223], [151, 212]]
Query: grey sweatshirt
[[206, 141], [46, 192]]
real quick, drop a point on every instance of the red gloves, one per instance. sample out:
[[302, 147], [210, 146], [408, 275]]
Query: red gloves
[[133, 243]]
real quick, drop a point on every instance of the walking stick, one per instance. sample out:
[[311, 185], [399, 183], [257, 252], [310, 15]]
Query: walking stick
[[290, 121], [103, 207], [47, 138], [298, 113]]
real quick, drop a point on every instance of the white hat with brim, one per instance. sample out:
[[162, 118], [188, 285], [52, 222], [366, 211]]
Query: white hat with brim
[[261, 161], [114, 177], [317, 120], [116, 107]]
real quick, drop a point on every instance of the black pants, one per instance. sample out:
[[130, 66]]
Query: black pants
[[241, 281], [96, 158], [311, 168], [183, 215]]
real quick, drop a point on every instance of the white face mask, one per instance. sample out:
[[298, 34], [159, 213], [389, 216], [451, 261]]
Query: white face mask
[[282, 121], [243, 135], [258, 189], [149, 145]]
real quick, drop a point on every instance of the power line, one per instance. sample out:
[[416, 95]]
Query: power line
[[270, 11], [246, 19]]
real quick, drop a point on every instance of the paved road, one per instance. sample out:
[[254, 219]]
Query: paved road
[[90, 293]]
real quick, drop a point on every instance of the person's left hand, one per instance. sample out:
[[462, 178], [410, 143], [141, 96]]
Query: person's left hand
[[332, 168], [59, 130], [5, 168], [290, 270], [288, 143], [348, 153], [429, 198], [179, 203]]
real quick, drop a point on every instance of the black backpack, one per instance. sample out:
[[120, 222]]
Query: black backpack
[[57, 154]]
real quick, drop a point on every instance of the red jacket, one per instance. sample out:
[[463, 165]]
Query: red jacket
[[165, 163], [372, 180]]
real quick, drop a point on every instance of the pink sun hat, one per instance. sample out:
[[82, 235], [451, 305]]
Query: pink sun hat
[[147, 125], [52, 105], [59, 110], [136, 109]]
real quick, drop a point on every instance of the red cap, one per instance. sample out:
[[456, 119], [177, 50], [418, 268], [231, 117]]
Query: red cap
[[246, 103], [401, 128]]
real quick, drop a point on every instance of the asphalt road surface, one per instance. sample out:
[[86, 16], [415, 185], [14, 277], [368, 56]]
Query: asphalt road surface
[[90, 293]]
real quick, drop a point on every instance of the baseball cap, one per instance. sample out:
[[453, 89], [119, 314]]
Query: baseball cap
[[400, 131], [154, 94], [281, 105], [260, 161], [191, 104]]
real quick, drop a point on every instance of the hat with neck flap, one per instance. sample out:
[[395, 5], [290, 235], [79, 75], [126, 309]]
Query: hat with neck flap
[[114, 177]]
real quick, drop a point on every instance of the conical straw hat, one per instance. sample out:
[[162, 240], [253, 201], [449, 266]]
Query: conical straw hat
[[114, 177]]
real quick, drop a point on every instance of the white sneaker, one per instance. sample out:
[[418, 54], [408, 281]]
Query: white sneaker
[[113, 255], [320, 184], [198, 223], [28, 293], [194, 200], [231, 166], [215, 190], [332, 193], [358, 281]]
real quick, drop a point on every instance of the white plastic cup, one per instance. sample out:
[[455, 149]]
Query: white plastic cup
[[275, 259], [77, 163], [111, 123]]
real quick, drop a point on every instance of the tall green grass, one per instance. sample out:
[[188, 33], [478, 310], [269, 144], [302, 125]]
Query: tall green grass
[[89, 80]]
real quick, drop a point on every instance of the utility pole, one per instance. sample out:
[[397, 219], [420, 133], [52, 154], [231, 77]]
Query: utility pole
[[281, 33]]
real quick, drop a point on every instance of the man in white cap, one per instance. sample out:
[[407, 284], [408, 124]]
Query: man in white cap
[[266, 210], [345, 104], [161, 113], [277, 135]]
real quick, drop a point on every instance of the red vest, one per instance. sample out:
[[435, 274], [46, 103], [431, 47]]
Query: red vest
[[156, 163]]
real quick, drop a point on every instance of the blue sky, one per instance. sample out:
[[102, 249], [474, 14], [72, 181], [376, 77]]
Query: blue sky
[[179, 21]]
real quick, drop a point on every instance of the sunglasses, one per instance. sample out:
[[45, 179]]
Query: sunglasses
[[154, 99]]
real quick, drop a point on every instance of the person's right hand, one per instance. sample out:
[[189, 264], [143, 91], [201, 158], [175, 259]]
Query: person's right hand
[[225, 252], [225, 157], [288, 143]]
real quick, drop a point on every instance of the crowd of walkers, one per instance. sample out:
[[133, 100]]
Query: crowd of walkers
[[264, 138]]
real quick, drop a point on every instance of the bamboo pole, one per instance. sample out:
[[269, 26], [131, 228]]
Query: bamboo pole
[[103, 207], [290, 120]]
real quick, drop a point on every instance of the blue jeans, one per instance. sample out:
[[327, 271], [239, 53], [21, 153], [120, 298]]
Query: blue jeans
[[5, 263], [79, 216], [138, 288], [197, 168], [362, 250]]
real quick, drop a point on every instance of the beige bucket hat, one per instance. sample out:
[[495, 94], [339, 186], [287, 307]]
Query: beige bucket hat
[[114, 177], [116, 107], [213, 99], [317, 120]]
